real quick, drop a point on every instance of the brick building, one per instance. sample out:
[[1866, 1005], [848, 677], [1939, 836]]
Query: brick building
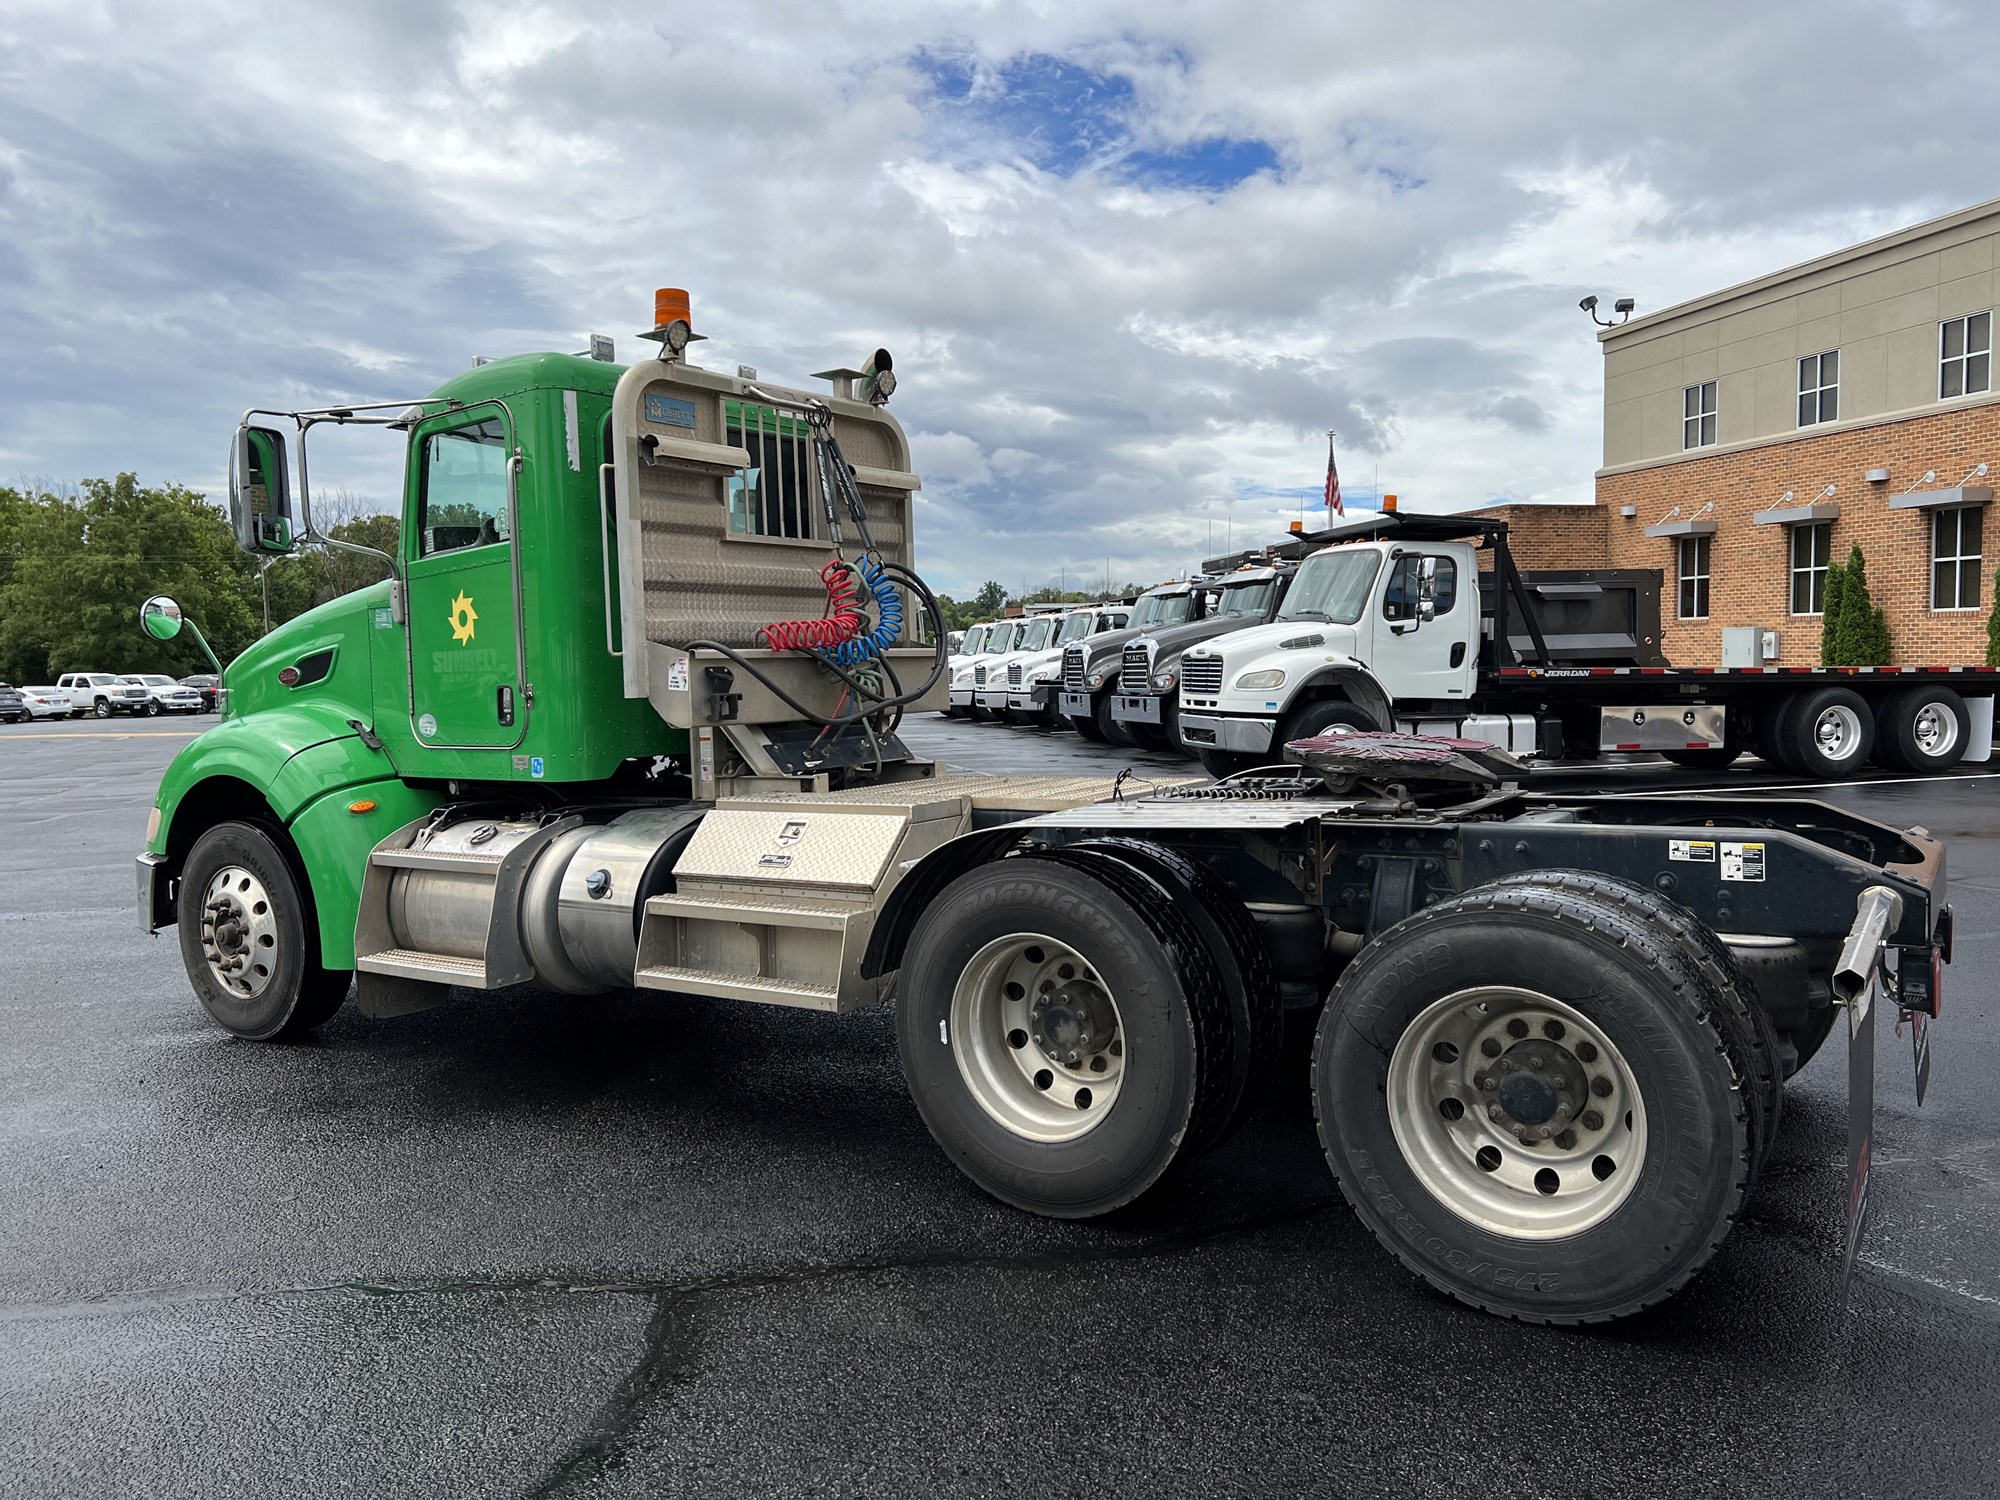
[[1754, 435]]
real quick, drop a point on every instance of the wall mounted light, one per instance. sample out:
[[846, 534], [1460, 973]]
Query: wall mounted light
[[1877, 476]]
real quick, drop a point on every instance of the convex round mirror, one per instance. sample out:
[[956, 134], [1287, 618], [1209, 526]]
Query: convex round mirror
[[160, 617]]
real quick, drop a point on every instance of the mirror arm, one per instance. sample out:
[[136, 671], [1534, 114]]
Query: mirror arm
[[202, 641], [312, 533]]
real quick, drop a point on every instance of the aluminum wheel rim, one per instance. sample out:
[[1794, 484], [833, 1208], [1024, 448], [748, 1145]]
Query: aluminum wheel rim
[[1528, 1176], [239, 932], [1038, 1037], [1935, 729], [1837, 731]]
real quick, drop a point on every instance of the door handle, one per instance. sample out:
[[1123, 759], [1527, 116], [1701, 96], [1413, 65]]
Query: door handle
[[506, 704], [1458, 653]]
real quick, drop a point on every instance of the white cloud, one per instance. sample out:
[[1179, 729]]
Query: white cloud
[[209, 206]]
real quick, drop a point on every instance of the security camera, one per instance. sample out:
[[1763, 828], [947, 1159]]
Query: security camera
[[1589, 304]]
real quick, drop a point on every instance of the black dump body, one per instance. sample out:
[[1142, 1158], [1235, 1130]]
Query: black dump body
[[1600, 617]]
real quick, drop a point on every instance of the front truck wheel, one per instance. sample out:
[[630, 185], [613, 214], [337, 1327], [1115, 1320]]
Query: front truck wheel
[[249, 938], [1529, 1096], [1064, 1044]]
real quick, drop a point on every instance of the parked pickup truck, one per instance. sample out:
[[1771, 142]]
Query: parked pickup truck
[[168, 696], [1395, 625], [102, 694], [1150, 666]]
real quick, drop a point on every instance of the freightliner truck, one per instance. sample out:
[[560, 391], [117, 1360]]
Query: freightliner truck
[[1395, 624], [1149, 668], [625, 717]]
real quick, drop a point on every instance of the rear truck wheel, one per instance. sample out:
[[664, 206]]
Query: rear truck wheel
[[1827, 734], [1715, 758], [1527, 1094], [249, 938], [101, 707], [1146, 874], [1061, 1043], [1753, 1041], [1109, 730], [1922, 729]]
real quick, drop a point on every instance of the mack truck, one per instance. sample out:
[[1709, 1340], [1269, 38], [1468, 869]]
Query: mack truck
[[1149, 666], [1424, 623], [623, 716], [1090, 668]]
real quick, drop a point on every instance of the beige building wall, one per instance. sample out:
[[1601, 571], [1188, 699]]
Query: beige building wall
[[1879, 305]]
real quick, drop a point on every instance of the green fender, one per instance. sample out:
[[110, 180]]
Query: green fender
[[308, 765]]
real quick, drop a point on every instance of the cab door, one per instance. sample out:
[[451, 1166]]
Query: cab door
[[467, 654], [1426, 627]]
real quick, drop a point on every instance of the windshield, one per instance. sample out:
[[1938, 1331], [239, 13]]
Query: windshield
[[1075, 627], [1332, 586], [1246, 599], [974, 641], [1036, 636], [1175, 609], [1003, 637]]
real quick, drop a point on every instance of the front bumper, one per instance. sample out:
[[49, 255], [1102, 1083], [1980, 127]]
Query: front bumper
[[961, 697], [1134, 710], [1076, 705], [156, 894], [1032, 700], [988, 697], [1212, 732]]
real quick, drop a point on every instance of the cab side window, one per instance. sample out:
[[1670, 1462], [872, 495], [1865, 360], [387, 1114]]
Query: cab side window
[[463, 496], [1408, 585]]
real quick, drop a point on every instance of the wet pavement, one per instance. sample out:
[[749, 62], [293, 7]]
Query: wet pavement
[[528, 1245]]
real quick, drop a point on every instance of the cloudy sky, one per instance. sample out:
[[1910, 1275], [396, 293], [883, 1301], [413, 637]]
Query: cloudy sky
[[1133, 258]]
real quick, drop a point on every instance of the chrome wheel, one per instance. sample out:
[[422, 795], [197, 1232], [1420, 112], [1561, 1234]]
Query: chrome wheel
[[1516, 1112], [1935, 729], [1037, 1037], [239, 932], [1837, 732]]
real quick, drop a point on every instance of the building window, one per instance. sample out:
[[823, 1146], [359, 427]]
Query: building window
[[1698, 415], [1965, 355], [1812, 547], [1819, 388], [1693, 575], [1955, 557]]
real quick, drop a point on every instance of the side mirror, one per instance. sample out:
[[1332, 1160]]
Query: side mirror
[[260, 491], [1427, 586], [160, 617]]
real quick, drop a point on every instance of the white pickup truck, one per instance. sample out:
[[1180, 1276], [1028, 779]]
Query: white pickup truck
[[102, 694], [168, 696]]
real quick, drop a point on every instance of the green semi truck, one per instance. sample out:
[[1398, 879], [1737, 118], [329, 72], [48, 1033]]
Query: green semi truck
[[623, 714]]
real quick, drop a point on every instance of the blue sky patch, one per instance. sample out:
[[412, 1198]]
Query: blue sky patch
[[1066, 118]]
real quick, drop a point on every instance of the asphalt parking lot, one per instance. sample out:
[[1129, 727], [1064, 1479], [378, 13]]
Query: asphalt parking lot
[[530, 1245]]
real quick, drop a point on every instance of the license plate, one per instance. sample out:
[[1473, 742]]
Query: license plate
[[1142, 710]]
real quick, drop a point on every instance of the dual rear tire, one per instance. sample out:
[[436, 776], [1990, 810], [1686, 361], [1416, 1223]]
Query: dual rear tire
[[1829, 733]]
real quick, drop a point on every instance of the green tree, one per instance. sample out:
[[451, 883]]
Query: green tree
[[1829, 620], [990, 600], [1860, 634], [83, 563]]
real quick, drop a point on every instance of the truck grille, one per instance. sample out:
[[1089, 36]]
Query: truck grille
[[1202, 677], [1135, 675], [1074, 678], [979, 677], [1013, 674]]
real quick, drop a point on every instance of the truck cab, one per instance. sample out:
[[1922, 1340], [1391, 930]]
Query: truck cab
[[1034, 680], [1365, 627], [1002, 669], [1149, 671], [1090, 667], [969, 676]]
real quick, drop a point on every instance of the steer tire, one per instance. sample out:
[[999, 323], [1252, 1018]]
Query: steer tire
[[1222, 764], [1110, 731], [1087, 727], [1753, 1040], [1852, 734], [1647, 1204], [1150, 737], [298, 993], [101, 707], [1329, 716], [1922, 729], [1173, 1020]]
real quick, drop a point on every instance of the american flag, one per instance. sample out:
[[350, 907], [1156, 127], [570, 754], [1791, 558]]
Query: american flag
[[1333, 481]]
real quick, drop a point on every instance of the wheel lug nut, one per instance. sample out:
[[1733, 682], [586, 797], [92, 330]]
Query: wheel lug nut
[[1592, 1120], [1600, 1086], [1492, 1111]]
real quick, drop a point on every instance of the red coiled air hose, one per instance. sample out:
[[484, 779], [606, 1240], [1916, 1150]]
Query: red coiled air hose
[[841, 622]]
